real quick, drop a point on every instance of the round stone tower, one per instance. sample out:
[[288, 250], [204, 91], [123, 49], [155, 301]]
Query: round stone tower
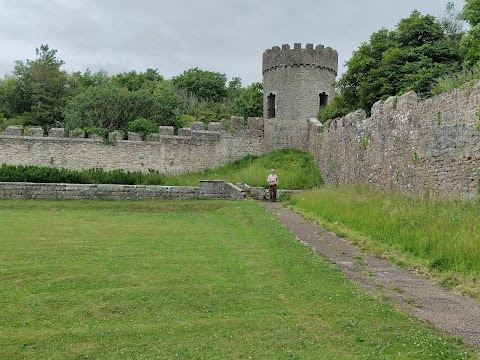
[[297, 83]]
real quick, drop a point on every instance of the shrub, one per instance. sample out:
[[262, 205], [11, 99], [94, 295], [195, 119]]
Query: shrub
[[142, 126]]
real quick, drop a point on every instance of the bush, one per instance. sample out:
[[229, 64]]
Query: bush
[[37, 174], [94, 130], [142, 126]]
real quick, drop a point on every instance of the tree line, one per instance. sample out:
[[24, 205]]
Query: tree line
[[40, 93], [426, 54], [423, 53]]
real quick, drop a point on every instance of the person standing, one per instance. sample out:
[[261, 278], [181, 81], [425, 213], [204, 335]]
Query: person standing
[[273, 184]]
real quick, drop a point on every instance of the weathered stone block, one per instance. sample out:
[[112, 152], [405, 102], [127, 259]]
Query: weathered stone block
[[35, 132], [115, 136], [166, 130], [215, 126], [133, 136], [238, 123], [185, 132], [56, 132], [13, 131], [198, 125], [256, 123], [407, 101]]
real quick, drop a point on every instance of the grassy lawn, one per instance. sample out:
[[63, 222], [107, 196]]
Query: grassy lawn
[[186, 280]]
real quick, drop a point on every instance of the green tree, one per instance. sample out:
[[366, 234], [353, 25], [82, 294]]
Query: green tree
[[168, 102], [470, 46], [47, 85], [409, 58], [250, 101], [471, 12], [9, 98], [112, 108], [78, 82], [203, 84], [134, 81], [452, 23], [102, 106]]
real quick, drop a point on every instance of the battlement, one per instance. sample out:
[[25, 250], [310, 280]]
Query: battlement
[[318, 57], [197, 132]]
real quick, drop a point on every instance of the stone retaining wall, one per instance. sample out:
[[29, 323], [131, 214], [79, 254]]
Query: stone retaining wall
[[217, 189]]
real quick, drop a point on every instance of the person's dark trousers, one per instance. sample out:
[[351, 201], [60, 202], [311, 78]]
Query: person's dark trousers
[[273, 192]]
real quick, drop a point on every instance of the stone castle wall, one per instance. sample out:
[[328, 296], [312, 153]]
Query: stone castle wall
[[193, 149], [421, 147]]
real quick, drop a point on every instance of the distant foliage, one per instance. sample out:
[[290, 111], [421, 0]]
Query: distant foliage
[[249, 102], [39, 92], [204, 84], [414, 56]]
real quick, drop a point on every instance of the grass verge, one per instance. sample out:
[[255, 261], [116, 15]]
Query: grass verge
[[188, 280], [440, 239]]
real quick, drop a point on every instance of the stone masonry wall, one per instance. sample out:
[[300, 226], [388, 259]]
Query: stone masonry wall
[[296, 76], [193, 149], [217, 189], [420, 147]]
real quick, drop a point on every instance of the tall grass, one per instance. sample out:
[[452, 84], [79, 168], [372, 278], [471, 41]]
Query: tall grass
[[445, 234], [295, 169]]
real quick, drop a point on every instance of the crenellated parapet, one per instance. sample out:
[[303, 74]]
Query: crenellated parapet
[[319, 57], [169, 151], [197, 131], [417, 146]]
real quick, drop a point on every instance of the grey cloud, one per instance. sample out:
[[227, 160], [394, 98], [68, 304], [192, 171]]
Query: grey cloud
[[217, 35]]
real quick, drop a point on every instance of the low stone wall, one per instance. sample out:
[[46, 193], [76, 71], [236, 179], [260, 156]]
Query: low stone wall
[[217, 189]]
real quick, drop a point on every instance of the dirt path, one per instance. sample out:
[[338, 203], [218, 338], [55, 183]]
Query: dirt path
[[456, 315]]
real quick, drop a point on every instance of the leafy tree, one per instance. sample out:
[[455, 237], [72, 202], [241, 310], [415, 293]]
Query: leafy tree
[[23, 88], [168, 102], [250, 101], [206, 85], [471, 12], [78, 81], [409, 58], [452, 23], [134, 81], [102, 106], [112, 107], [9, 99], [42, 85], [470, 46]]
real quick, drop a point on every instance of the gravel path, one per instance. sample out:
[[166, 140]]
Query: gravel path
[[454, 314]]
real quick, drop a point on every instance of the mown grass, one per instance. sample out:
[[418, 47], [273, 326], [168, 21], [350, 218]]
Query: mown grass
[[442, 236], [295, 169], [186, 280]]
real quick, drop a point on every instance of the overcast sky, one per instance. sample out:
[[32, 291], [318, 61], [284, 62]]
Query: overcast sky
[[227, 36]]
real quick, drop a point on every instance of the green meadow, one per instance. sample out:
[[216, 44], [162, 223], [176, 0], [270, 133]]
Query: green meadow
[[185, 280], [437, 238]]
